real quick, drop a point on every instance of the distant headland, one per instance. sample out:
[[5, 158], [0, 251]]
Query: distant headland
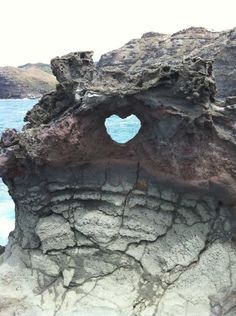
[[26, 81]]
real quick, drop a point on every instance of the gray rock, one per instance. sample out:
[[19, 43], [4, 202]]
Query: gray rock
[[142, 228], [44, 264], [2, 249], [154, 48], [54, 233], [169, 196], [96, 225]]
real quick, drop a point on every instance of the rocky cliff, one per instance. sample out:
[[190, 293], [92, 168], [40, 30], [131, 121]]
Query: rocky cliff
[[165, 48], [146, 228], [27, 81]]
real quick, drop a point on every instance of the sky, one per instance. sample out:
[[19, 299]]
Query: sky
[[38, 30]]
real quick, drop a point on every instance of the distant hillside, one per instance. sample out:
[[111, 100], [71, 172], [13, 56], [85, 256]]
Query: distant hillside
[[44, 67], [26, 81]]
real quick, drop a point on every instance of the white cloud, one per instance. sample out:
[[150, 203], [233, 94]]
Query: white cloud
[[38, 30]]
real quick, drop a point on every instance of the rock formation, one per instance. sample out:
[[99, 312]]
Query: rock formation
[[26, 81], [166, 48], [141, 229]]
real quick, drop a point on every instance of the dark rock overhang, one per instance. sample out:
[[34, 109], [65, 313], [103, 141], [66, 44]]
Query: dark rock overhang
[[185, 135]]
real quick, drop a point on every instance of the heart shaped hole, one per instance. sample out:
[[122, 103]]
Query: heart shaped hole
[[122, 130]]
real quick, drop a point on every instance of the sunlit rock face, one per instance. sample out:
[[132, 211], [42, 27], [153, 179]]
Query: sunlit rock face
[[154, 48], [143, 228]]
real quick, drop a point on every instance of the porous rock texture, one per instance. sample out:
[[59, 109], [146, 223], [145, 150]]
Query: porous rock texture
[[146, 228], [167, 48]]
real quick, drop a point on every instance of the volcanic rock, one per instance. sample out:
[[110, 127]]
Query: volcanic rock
[[192, 42], [139, 229], [2, 249]]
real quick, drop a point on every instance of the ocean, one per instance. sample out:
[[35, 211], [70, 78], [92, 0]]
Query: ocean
[[12, 113]]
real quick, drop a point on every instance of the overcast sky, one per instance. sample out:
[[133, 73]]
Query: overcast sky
[[38, 30]]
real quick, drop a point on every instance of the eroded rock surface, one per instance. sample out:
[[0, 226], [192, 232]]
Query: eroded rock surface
[[146, 228], [171, 48]]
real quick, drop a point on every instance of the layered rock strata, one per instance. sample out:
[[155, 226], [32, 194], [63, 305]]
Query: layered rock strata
[[141, 229]]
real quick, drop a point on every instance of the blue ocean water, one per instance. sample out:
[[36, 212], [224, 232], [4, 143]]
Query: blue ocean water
[[12, 113], [122, 130]]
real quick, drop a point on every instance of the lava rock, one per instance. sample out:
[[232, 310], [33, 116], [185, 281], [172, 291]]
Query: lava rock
[[154, 217]]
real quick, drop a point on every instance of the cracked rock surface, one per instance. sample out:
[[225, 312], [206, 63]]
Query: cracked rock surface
[[146, 228]]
